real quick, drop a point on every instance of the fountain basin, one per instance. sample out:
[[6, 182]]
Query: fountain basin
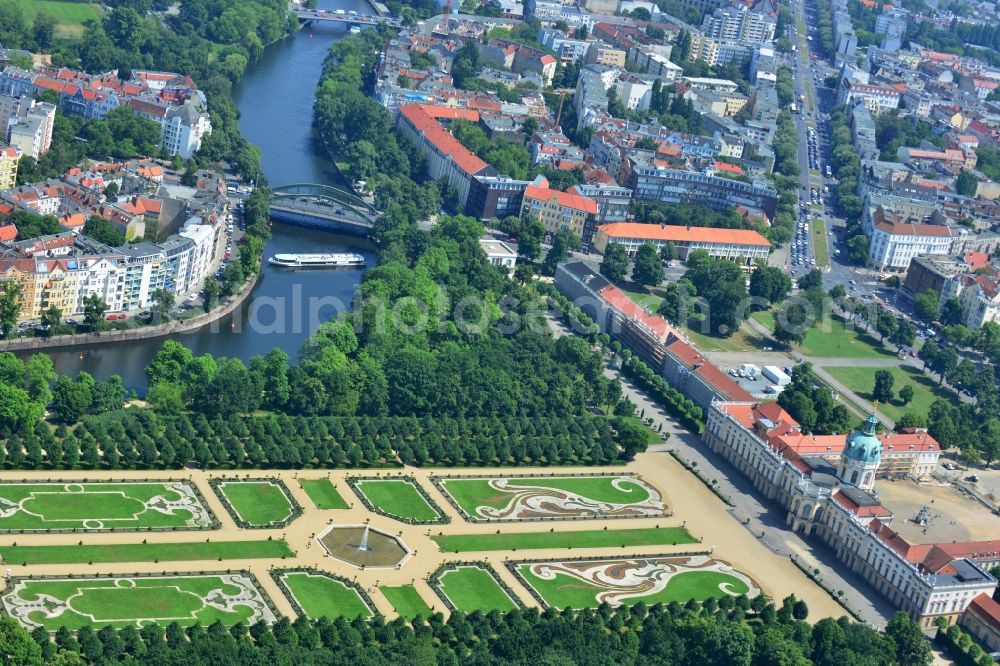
[[382, 549]]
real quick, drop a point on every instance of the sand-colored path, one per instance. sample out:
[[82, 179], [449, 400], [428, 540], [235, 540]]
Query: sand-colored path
[[692, 504]]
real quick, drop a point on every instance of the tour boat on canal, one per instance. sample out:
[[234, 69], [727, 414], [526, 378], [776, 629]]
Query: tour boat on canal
[[335, 260]]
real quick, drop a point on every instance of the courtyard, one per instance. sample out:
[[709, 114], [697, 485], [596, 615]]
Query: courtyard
[[951, 514]]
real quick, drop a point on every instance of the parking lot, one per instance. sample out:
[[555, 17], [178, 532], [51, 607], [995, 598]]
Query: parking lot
[[755, 382]]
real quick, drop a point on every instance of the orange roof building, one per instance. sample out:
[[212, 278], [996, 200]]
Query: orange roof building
[[446, 157], [741, 245], [982, 620], [558, 211]]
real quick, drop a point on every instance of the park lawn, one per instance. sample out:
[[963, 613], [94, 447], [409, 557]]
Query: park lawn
[[570, 592], [398, 498], [472, 588], [744, 339], [146, 552], [322, 596], [654, 536], [925, 390], [69, 16], [652, 437], [473, 493], [259, 503], [407, 601], [833, 339], [323, 493], [65, 506], [120, 602]]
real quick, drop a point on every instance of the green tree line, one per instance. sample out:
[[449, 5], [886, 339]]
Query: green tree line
[[731, 631]]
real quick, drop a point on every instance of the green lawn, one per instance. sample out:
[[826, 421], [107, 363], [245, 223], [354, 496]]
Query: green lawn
[[820, 245], [259, 503], [142, 552], [111, 505], [652, 536], [398, 498], [322, 596], [471, 494], [569, 591], [323, 493], [407, 601], [652, 437], [833, 339], [925, 390], [124, 601], [471, 588], [744, 339], [69, 16]]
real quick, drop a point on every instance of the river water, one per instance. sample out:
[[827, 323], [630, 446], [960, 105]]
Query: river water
[[275, 99]]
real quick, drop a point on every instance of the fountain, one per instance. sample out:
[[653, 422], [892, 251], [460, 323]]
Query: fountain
[[363, 546]]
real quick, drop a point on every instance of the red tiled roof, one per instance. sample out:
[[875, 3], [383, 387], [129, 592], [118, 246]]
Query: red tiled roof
[[977, 260], [8, 232], [667, 232], [728, 168], [700, 366], [423, 118], [621, 302], [987, 609], [73, 220], [877, 511], [564, 199]]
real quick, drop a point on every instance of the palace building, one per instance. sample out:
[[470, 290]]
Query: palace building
[[827, 485]]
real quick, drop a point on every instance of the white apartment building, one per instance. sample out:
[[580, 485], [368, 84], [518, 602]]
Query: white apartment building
[[739, 24], [893, 243], [104, 277], [183, 129], [979, 296], [31, 133], [877, 99], [633, 92]]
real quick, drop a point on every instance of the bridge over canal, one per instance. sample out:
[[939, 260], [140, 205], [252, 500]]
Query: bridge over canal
[[307, 16], [324, 207]]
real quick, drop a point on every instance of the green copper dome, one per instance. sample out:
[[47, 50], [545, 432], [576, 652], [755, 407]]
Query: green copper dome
[[863, 446]]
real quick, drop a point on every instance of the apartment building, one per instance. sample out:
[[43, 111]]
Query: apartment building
[[446, 157], [877, 99], [894, 239], [743, 246], [738, 23], [64, 269], [9, 157], [558, 211], [31, 133], [653, 182], [612, 206]]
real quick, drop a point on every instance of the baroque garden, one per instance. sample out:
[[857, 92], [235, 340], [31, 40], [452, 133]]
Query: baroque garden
[[197, 546]]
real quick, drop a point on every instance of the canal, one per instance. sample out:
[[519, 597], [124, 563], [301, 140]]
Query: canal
[[275, 99]]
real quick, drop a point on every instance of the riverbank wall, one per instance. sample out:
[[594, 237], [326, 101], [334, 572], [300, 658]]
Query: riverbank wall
[[141, 333]]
